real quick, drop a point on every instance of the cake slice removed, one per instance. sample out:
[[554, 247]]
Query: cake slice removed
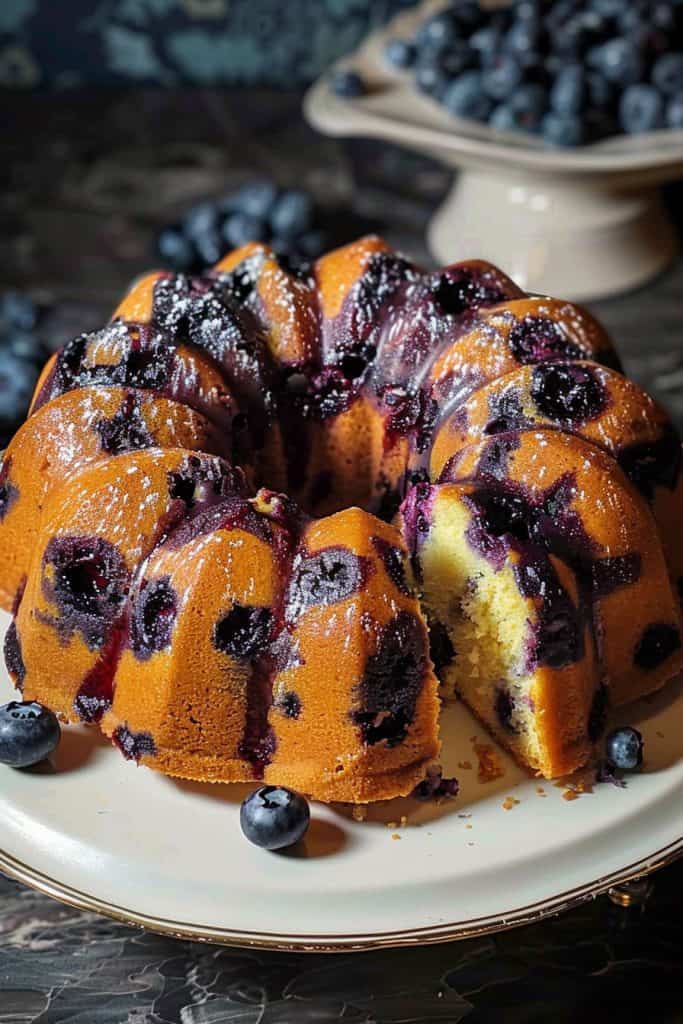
[[510, 632]]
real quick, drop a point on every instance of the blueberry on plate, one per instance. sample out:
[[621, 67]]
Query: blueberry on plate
[[624, 748], [28, 733], [641, 109], [348, 84], [274, 818]]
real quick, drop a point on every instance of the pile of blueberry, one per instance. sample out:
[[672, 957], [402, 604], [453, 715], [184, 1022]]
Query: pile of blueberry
[[571, 71], [22, 355], [286, 219]]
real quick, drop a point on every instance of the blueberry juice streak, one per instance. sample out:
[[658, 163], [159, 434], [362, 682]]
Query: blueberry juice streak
[[416, 513]]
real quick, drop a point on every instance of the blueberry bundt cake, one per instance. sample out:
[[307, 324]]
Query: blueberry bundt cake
[[247, 522]]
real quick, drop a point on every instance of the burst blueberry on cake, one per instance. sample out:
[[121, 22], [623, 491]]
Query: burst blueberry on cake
[[211, 565]]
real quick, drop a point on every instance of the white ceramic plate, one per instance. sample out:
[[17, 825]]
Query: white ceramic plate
[[100, 833]]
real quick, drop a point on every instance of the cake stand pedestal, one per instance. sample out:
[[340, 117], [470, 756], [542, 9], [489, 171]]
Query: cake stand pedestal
[[556, 236], [583, 223]]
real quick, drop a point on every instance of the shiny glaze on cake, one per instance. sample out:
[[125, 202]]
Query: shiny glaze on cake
[[95, 532], [350, 620], [70, 433], [597, 404]]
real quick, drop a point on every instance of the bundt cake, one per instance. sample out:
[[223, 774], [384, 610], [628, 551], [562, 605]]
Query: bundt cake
[[471, 487]]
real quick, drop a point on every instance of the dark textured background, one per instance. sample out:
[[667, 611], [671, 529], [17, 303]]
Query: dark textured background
[[64, 44], [86, 179]]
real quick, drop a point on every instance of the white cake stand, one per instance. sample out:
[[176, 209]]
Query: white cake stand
[[582, 223]]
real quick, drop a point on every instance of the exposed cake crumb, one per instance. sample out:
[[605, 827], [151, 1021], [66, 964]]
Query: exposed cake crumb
[[403, 821], [395, 836], [359, 812], [540, 791], [468, 826], [392, 824], [509, 802], [490, 766], [571, 794], [465, 765]]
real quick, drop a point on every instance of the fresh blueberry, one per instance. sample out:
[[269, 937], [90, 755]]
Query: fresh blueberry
[[641, 109], [28, 346], [525, 35], [255, 199], [17, 380], [292, 214], [438, 31], [568, 94], [529, 103], [348, 84], [667, 73], [240, 228], [502, 77], [199, 220], [523, 111], [486, 41], [312, 243], [504, 119], [465, 97], [562, 131], [624, 748], [400, 53], [209, 246], [429, 77], [608, 8], [18, 311], [274, 818], [176, 250], [528, 10], [619, 60], [28, 733], [674, 112]]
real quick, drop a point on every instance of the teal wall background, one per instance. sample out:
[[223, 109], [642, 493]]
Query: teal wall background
[[65, 44]]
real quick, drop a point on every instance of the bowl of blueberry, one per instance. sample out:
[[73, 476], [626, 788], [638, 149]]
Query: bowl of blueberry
[[562, 117]]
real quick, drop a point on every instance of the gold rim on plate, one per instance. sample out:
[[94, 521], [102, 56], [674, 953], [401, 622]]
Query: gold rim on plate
[[341, 943]]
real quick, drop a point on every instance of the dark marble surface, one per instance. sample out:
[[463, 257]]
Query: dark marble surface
[[85, 180]]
